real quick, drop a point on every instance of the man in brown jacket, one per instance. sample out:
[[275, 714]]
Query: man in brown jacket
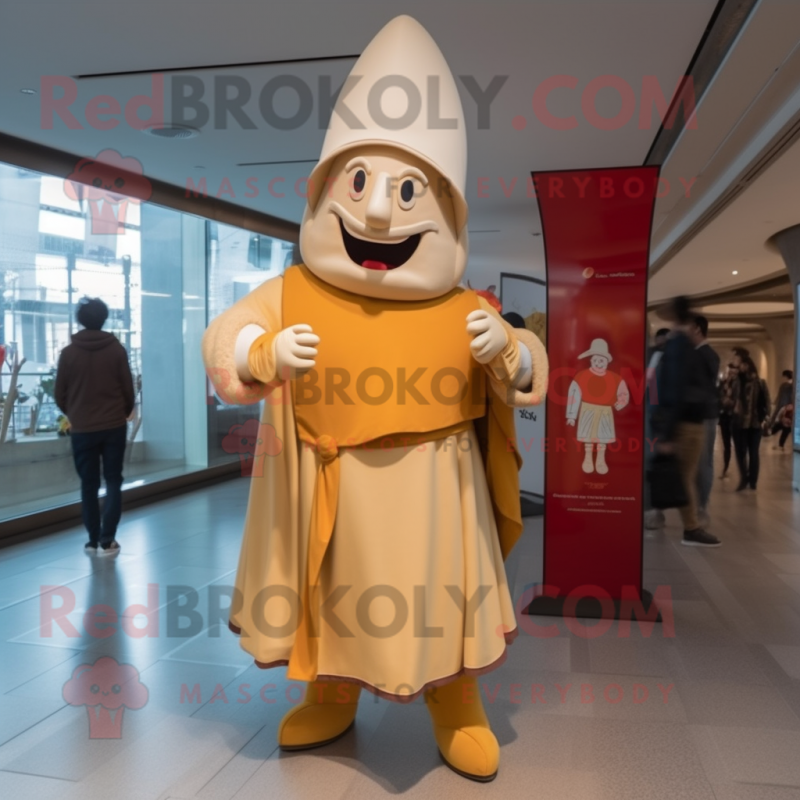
[[94, 389]]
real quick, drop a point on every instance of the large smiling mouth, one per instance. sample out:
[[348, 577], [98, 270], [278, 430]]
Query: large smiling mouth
[[378, 255]]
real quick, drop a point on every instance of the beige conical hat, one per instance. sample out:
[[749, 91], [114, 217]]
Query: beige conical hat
[[403, 94], [599, 347]]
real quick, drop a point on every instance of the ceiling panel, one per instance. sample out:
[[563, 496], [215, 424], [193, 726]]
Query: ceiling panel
[[528, 42]]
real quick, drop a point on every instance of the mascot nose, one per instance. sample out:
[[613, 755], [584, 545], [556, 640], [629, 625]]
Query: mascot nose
[[379, 209]]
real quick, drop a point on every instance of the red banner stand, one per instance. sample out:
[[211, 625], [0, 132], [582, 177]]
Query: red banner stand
[[596, 226]]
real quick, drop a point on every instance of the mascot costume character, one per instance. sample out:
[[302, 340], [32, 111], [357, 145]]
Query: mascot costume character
[[387, 496]]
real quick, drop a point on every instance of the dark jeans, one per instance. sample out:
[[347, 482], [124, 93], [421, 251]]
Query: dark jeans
[[747, 441], [725, 429], [705, 469], [87, 450], [785, 431]]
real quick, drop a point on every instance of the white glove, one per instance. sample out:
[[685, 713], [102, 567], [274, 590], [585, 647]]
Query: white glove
[[490, 336], [296, 349]]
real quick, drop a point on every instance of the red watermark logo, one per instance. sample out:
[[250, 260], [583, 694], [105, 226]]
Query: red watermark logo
[[252, 441], [516, 693], [226, 100], [269, 607], [109, 182], [106, 688], [376, 386], [484, 189]]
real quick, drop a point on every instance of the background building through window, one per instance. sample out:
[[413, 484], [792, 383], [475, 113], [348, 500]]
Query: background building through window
[[163, 274]]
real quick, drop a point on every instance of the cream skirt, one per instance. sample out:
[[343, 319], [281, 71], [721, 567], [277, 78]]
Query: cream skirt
[[416, 562], [596, 424]]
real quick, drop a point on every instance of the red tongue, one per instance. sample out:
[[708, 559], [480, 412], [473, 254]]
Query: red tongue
[[378, 265]]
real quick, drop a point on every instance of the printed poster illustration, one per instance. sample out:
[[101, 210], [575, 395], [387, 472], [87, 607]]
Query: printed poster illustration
[[594, 395]]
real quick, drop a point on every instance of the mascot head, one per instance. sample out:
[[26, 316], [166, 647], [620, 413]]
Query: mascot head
[[386, 214]]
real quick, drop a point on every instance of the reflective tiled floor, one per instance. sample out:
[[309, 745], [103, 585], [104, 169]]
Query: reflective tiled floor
[[713, 712]]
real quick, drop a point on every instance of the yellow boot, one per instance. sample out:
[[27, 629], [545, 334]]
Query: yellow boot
[[327, 712], [462, 731]]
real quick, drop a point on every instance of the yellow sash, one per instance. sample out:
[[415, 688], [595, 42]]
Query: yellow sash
[[391, 373]]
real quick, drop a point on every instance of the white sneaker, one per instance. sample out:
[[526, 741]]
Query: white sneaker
[[109, 549], [654, 519]]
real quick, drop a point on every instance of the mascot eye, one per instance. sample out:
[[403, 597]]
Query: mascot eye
[[116, 688], [94, 688], [97, 182], [407, 195], [119, 183], [358, 184]]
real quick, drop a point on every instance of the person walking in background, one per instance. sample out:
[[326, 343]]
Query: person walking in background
[[785, 423], [94, 389], [698, 333], [653, 517], [785, 398], [657, 350], [750, 409], [678, 421], [513, 319], [739, 354], [726, 401]]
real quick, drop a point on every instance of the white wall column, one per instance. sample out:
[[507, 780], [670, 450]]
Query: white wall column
[[195, 411]]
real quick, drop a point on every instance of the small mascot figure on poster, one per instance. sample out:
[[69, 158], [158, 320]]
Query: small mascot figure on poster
[[593, 396], [375, 535]]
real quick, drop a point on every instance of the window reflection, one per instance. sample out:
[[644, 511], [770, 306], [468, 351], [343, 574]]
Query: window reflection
[[238, 261], [163, 275]]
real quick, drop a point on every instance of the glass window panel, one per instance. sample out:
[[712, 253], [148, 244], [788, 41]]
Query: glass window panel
[[238, 262], [163, 274], [61, 224], [53, 193]]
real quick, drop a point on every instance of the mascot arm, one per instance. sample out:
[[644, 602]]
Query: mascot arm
[[234, 334], [247, 337], [518, 373]]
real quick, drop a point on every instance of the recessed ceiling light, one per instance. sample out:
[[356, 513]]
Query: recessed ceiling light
[[736, 272], [28, 91], [168, 131]]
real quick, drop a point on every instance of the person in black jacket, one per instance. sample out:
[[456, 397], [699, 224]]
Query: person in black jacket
[[653, 517], [94, 389], [785, 398], [751, 404], [698, 332], [678, 422], [726, 401]]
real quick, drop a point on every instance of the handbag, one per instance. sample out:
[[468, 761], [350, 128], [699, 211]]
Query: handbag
[[666, 482]]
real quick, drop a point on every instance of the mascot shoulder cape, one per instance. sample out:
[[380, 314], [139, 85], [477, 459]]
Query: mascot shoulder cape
[[376, 531]]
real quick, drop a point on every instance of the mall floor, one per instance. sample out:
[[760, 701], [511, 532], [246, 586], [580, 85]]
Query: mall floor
[[711, 712]]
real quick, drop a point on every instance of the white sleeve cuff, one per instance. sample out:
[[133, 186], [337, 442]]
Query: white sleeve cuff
[[525, 373], [244, 341]]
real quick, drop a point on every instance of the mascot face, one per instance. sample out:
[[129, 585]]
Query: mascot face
[[599, 364], [384, 227]]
